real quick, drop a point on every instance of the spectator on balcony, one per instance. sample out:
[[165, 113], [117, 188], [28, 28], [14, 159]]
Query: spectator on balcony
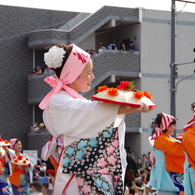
[[37, 128], [34, 128], [112, 46], [48, 72], [93, 53], [122, 46], [42, 128], [81, 123], [101, 47], [130, 47], [37, 71]]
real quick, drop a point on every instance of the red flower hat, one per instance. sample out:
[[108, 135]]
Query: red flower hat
[[4, 142], [20, 160], [124, 95]]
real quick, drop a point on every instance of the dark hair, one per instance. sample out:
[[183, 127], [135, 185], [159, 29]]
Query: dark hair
[[46, 185], [131, 191], [37, 168], [68, 51], [142, 171], [37, 185], [138, 184], [153, 131], [159, 119], [42, 173], [192, 105], [17, 140], [147, 169]]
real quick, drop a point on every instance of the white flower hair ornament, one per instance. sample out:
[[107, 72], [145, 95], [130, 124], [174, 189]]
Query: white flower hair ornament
[[54, 57]]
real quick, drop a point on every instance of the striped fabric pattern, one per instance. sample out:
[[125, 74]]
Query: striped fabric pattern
[[165, 123], [190, 123]]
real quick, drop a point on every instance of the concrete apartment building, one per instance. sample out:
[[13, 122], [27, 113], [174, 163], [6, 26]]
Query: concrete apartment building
[[26, 34]]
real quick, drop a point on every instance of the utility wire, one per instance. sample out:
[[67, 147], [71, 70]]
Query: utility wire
[[186, 1], [183, 8]]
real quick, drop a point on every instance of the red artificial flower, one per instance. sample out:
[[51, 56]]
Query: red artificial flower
[[24, 162], [7, 142], [20, 157], [113, 91], [126, 85], [138, 94], [27, 159], [16, 161], [102, 88], [148, 95], [1, 139]]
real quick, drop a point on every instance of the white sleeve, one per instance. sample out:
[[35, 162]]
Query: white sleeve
[[78, 118]]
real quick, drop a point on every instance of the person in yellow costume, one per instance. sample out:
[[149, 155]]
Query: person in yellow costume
[[188, 143], [167, 172]]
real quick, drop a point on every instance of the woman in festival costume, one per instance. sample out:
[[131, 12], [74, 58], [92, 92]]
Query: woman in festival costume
[[167, 171], [94, 158], [5, 186], [189, 148], [21, 174]]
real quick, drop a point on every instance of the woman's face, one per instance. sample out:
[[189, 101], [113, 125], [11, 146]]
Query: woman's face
[[139, 160], [83, 82], [18, 146], [170, 130]]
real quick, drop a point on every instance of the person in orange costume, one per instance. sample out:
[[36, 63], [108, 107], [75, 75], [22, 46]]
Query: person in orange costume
[[167, 172], [189, 148], [21, 174]]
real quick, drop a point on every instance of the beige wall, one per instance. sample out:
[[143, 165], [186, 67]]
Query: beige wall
[[153, 40]]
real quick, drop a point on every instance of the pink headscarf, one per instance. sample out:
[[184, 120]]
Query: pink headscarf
[[13, 142], [165, 123], [191, 122], [75, 64]]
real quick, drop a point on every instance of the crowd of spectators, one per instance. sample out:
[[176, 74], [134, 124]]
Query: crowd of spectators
[[43, 180], [138, 175], [129, 46], [125, 46], [40, 71], [37, 128]]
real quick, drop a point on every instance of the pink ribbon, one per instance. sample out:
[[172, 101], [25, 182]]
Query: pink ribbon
[[75, 64]]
